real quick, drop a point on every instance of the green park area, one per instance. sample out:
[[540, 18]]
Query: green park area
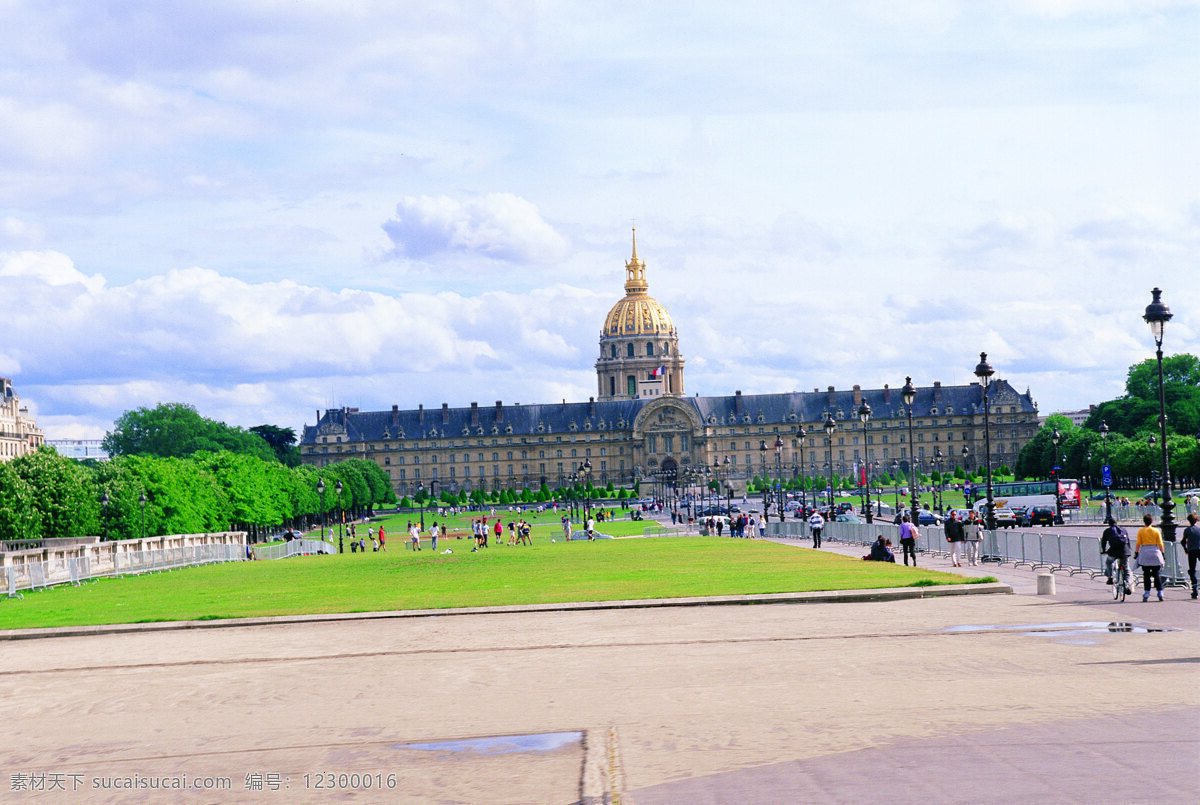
[[401, 579]]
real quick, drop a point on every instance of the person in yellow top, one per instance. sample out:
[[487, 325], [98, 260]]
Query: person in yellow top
[[1148, 552]]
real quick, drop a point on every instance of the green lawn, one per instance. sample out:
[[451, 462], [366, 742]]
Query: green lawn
[[400, 579]]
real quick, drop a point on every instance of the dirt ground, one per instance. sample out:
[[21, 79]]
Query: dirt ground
[[689, 704]]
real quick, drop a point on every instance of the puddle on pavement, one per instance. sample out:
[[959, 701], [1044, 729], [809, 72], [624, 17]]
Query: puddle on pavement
[[501, 744], [1075, 627]]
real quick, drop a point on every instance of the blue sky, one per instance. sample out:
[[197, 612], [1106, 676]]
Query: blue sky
[[264, 208]]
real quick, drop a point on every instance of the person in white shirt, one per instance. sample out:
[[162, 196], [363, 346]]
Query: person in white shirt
[[816, 523]]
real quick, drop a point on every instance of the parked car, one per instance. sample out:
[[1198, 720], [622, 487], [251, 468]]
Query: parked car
[[926, 517], [1039, 515], [849, 517], [1004, 518]]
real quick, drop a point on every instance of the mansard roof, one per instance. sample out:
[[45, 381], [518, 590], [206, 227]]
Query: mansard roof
[[789, 408]]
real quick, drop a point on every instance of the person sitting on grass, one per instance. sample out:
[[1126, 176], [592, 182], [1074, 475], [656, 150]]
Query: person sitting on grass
[[881, 551]]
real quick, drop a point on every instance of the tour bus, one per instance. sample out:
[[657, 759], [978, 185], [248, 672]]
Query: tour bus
[[1022, 494]]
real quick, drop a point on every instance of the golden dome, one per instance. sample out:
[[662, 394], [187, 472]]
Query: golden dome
[[638, 314]]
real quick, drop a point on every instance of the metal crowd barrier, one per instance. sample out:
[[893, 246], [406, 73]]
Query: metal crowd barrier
[[73, 570], [295, 547], [1036, 550]]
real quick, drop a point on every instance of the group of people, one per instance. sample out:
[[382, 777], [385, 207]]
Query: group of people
[[962, 532], [737, 525], [359, 544], [1148, 552]]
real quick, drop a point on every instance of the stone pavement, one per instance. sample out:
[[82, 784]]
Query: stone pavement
[[982, 698]]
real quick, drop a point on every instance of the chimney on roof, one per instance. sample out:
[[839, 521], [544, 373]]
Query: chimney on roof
[[445, 413], [474, 414], [499, 411], [937, 391], [887, 393], [395, 415], [737, 401], [591, 407], [857, 395], [830, 396], [420, 413]]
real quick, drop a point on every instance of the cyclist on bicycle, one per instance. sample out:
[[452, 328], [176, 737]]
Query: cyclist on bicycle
[[1114, 544]]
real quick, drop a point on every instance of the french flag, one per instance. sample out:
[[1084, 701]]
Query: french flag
[[659, 372]]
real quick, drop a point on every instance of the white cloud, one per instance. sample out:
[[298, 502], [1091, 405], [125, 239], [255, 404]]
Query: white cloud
[[497, 225]]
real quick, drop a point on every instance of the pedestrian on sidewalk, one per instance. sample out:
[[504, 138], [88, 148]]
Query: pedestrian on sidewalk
[[908, 540], [955, 536], [1191, 544], [1148, 553], [815, 524]]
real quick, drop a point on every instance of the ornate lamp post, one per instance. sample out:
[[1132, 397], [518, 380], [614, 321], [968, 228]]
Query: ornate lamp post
[[142, 503], [984, 371], [762, 456], [896, 482], [341, 514], [830, 427], [421, 495], [969, 499], [909, 395], [1157, 315], [801, 435], [779, 493], [727, 474], [585, 470], [938, 490], [104, 501], [1088, 458], [864, 414], [321, 493]]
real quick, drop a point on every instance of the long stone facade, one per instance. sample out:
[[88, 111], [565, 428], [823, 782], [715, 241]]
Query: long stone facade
[[19, 434], [642, 428]]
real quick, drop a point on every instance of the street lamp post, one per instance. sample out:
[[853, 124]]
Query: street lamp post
[[830, 427], [896, 482], [1088, 458], [984, 371], [585, 470], [1055, 438], [864, 414], [762, 455], [779, 493], [421, 495], [968, 499], [341, 515], [1106, 477], [321, 493], [909, 395], [104, 501], [142, 503], [1157, 315], [941, 481], [801, 435]]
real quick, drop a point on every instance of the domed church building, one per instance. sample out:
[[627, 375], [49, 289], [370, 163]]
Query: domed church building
[[641, 427], [639, 345]]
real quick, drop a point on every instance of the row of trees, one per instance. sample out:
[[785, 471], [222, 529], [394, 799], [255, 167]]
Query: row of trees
[[1132, 420], [45, 495]]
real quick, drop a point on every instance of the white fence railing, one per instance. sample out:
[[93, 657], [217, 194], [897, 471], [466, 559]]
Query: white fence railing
[[31, 575], [1070, 553]]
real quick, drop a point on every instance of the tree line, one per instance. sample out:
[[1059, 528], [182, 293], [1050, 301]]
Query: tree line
[[1131, 420]]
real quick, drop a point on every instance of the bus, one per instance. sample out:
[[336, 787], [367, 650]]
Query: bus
[[1025, 494]]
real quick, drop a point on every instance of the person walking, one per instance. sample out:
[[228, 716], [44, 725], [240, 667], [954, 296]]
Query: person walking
[[434, 533], [815, 524], [414, 536], [1148, 552], [1191, 544], [566, 527], [908, 540], [382, 539], [590, 526], [955, 536], [972, 535]]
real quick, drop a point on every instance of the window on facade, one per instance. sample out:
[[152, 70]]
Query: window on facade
[[649, 349], [612, 385], [652, 444], [629, 350], [631, 383], [614, 350]]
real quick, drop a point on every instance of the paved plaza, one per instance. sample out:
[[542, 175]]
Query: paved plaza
[[967, 698]]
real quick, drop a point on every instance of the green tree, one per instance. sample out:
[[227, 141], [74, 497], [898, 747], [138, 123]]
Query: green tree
[[282, 442], [19, 516], [178, 430], [65, 498]]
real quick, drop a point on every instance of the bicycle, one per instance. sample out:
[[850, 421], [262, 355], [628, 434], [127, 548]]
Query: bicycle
[[1120, 579]]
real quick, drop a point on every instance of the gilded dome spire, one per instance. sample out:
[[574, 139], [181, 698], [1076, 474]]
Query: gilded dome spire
[[635, 272]]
